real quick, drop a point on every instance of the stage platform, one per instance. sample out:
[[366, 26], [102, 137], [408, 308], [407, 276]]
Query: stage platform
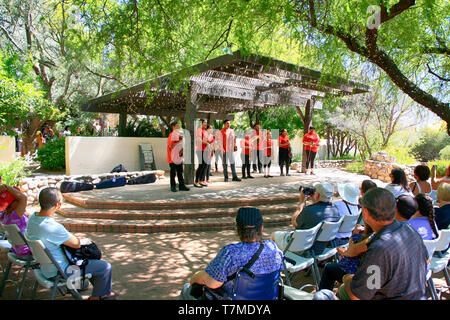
[[153, 207]]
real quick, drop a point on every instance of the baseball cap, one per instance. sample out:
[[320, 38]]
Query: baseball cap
[[349, 192], [248, 216], [326, 190], [407, 206]]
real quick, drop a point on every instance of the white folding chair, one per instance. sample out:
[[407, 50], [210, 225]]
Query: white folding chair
[[439, 262], [16, 238], [327, 233], [431, 246], [300, 242], [5, 246], [59, 282]]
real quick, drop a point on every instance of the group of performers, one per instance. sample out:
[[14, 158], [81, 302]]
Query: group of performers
[[256, 148]]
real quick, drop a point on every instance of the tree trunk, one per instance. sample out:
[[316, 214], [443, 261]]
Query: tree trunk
[[307, 119]]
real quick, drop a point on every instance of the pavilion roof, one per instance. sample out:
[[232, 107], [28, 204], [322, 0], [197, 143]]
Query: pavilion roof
[[226, 84]]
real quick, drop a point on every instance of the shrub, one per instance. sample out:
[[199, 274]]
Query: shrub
[[53, 154], [441, 166], [444, 154], [12, 172], [402, 153], [430, 143], [355, 167]]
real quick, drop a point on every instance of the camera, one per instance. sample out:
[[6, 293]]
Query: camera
[[307, 191]]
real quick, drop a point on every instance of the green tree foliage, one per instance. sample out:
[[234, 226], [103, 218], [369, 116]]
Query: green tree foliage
[[431, 142], [12, 172]]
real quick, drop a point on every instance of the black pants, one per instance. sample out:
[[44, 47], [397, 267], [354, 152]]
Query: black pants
[[245, 164], [200, 174], [310, 156], [330, 274], [228, 157], [176, 170], [257, 160]]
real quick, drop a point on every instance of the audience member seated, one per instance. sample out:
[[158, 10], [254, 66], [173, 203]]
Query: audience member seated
[[436, 182], [43, 226], [442, 213], [421, 185], [423, 220], [307, 217], [406, 206], [334, 271], [15, 214], [249, 226], [399, 183], [349, 194], [391, 269]]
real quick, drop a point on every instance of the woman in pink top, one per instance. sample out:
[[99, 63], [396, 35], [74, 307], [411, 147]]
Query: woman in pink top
[[15, 214]]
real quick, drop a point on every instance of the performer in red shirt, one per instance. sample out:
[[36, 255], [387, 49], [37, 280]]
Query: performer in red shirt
[[268, 154], [228, 149], [256, 149], [209, 151], [201, 142], [311, 142], [175, 157], [283, 152], [245, 156]]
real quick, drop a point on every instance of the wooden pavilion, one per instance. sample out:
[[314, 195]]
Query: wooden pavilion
[[223, 85]]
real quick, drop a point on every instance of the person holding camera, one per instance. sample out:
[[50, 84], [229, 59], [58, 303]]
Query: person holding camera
[[306, 217], [175, 157]]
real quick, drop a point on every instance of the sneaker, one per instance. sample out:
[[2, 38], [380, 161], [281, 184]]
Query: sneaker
[[250, 177], [184, 188], [244, 177], [203, 184], [174, 189], [266, 176], [236, 179], [198, 185], [269, 176], [225, 179]]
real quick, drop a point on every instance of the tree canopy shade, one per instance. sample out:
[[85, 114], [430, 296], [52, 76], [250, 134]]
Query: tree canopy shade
[[404, 40], [226, 84]]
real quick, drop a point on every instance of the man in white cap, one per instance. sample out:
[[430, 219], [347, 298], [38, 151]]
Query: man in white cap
[[349, 194], [307, 217]]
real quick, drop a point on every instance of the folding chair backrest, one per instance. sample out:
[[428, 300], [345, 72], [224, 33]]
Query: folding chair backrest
[[349, 223], [303, 239], [329, 230], [360, 219], [443, 240], [431, 246], [14, 235], [39, 253], [260, 287]]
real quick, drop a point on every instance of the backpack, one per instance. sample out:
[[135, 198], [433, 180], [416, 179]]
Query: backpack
[[72, 186], [119, 168], [80, 257], [148, 178]]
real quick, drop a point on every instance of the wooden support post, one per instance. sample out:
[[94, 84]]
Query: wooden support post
[[189, 118], [122, 122], [306, 123]]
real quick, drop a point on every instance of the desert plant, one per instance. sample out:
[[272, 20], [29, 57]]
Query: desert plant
[[12, 172]]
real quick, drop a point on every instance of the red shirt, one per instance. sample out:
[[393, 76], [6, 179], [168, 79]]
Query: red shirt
[[173, 152], [268, 147], [227, 145], [256, 144], [5, 199], [283, 140], [245, 146], [201, 135], [311, 137]]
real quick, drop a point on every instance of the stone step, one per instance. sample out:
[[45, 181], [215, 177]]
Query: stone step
[[163, 225], [182, 204], [71, 211]]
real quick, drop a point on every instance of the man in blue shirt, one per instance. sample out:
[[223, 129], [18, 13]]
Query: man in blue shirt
[[43, 226], [249, 224]]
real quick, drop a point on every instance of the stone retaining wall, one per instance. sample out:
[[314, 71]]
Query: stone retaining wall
[[32, 186], [380, 165]]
